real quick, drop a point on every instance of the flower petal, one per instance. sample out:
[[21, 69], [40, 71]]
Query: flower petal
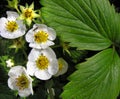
[[41, 45], [43, 74], [16, 71], [11, 84], [22, 26], [22, 8], [47, 44], [33, 55], [2, 24], [31, 68], [34, 45], [12, 14], [26, 92], [41, 26], [49, 53], [29, 36], [31, 6], [52, 33], [53, 68]]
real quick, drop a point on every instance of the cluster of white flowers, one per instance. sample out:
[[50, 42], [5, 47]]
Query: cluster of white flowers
[[42, 61]]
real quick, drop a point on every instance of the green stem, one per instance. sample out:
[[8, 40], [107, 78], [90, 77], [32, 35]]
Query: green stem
[[17, 9], [22, 97], [25, 54], [55, 46], [51, 93], [49, 84]]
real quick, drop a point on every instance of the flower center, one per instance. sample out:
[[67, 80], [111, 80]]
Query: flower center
[[40, 37], [42, 62], [60, 65], [22, 82], [28, 13], [11, 26]]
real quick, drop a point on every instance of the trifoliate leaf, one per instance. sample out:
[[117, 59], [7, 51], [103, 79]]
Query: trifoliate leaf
[[97, 78], [86, 24]]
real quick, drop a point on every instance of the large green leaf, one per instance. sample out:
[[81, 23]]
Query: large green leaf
[[97, 78], [86, 24]]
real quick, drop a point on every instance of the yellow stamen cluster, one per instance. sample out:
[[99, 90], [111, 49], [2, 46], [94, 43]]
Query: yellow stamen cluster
[[22, 82], [11, 26], [28, 13], [40, 37], [42, 62]]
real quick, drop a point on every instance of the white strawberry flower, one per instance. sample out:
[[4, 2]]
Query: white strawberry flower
[[42, 63], [10, 63], [40, 36], [20, 80], [63, 67], [10, 27]]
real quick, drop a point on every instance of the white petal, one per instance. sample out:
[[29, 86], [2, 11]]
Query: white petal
[[16, 34], [16, 71], [48, 52], [12, 84], [40, 45], [53, 68], [43, 74], [2, 23], [41, 26], [31, 68], [35, 26], [9, 35], [11, 18], [52, 33], [22, 26], [46, 44], [12, 14], [34, 45], [29, 36], [33, 55], [26, 92]]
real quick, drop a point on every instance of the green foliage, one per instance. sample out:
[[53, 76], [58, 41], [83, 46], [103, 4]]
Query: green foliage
[[6, 93], [88, 25], [97, 78]]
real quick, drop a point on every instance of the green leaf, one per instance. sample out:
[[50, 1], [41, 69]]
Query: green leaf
[[86, 24], [97, 78]]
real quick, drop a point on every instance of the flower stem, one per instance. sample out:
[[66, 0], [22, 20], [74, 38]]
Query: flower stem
[[50, 90], [25, 54], [22, 97], [55, 46], [51, 93]]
